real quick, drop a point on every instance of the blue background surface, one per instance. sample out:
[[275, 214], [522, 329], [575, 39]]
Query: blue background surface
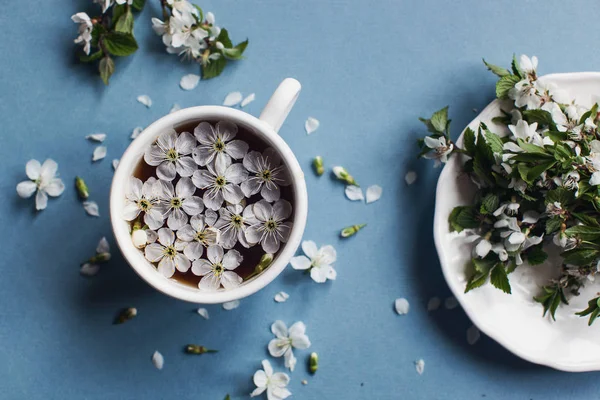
[[368, 69]]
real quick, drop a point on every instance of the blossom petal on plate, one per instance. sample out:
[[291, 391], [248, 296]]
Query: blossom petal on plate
[[145, 100], [281, 297], [300, 262], [41, 200], [158, 360], [373, 193], [115, 163], [230, 305], [91, 208], [402, 306], [248, 99], [450, 303], [203, 312], [96, 137], [136, 132], [232, 99], [176, 107], [354, 193], [33, 169], [88, 269], [26, 189], [189, 81], [473, 335], [410, 177], [99, 153], [434, 303], [420, 366], [311, 124]]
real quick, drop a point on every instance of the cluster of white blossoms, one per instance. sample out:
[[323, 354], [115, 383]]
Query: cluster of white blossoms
[[211, 193]]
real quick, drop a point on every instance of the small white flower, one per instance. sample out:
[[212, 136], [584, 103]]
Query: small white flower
[[105, 4], [203, 312], [275, 384], [231, 305], [170, 155], [523, 130], [441, 149], [158, 360], [319, 260], [354, 193], [218, 269], [85, 31], [136, 132], [167, 253], [528, 66], [43, 179], [145, 100], [97, 137], [571, 180], [525, 94], [281, 297], [373, 193], [402, 306], [176, 204], [199, 234], [183, 6], [268, 227], [311, 125], [221, 183], [420, 366], [99, 153], [248, 99], [189, 81], [143, 198], [232, 223], [218, 144], [91, 208], [286, 341], [550, 93], [567, 121], [266, 175], [232, 99], [410, 177]]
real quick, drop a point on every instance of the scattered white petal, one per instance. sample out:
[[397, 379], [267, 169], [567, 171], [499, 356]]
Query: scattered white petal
[[473, 335], [91, 207], [88, 269], [103, 246], [97, 137], [158, 360], [420, 366], [311, 125], [248, 99], [434, 303], [354, 193], [115, 163], [203, 312], [145, 100], [99, 153], [136, 132], [410, 177], [176, 107], [232, 99], [373, 193], [189, 81], [402, 306], [281, 297], [304, 382], [451, 303], [230, 305]]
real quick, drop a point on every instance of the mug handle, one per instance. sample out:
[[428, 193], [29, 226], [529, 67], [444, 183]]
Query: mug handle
[[281, 103]]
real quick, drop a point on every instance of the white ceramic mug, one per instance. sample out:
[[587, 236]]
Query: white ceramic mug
[[266, 127]]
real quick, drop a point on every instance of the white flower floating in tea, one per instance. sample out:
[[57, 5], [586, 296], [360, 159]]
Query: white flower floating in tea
[[286, 340], [43, 179], [318, 260], [198, 203]]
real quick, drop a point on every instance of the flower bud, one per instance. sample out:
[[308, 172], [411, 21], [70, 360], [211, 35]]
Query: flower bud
[[313, 363], [318, 165], [99, 258], [125, 315], [195, 349], [351, 230], [82, 189], [343, 175], [220, 46], [139, 238]]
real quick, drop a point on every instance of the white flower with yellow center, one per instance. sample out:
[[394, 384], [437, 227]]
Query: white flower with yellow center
[[221, 182], [218, 269], [170, 155], [318, 260], [167, 253], [266, 175], [286, 340], [199, 233], [218, 144], [43, 179], [85, 31], [142, 198], [268, 224], [176, 204], [232, 223]]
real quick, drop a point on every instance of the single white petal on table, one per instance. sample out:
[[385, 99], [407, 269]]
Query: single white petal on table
[[103, 246], [354, 193], [420, 366], [88, 269], [91, 207], [311, 124], [97, 137], [230, 305], [136, 132], [189, 81], [451, 303], [247, 100], [158, 360], [99, 153], [232, 99], [473, 335], [203, 312], [373, 193], [434, 303], [281, 297], [145, 100], [402, 306], [115, 163], [176, 107], [410, 177]]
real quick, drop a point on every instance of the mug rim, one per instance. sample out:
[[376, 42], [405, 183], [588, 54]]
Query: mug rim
[[134, 256]]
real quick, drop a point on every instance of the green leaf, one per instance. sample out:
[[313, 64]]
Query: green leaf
[[484, 150], [551, 299], [560, 195], [119, 43], [494, 141], [235, 53], [227, 397], [504, 84], [553, 225], [593, 310], [138, 5], [557, 136], [580, 257], [224, 38], [106, 68], [92, 57], [117, 11], [516, 69], [531, 148], [589, 233], [537, 170], [125, 22], [469, 141], [476, 280], [439, 120], [97, 30], [542, 117], [562, 152], [489, 203], [214, 68], [484, 265], [463, 217], [536, 255], [499, 279], [586, 219], [496, 69]]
